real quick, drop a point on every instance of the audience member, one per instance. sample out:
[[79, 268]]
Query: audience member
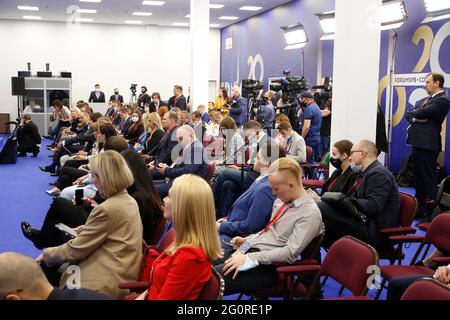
[[28, 137], [292, 142]]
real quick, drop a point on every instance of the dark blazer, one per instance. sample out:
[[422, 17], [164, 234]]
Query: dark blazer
[[74, 125], [163, 152], [143, 99], [28, 134], [153, 142], [124, 125], [118, 97], [194, 160], [153, 108], [133, 133], [427, 135], [181, 103], [343, 182], [239, 111], [250, 212], [377, 197], [86, 135], [93, 97]]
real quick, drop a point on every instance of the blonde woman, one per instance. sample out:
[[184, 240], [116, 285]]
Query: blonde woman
[[183, 269], [154, 130], [108, 249]]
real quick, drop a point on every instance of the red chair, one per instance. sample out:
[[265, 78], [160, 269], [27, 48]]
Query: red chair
[[427, 289], [214, 288], [408, 209], [284, 286], [438, 235], [320, 169], [346, 262]]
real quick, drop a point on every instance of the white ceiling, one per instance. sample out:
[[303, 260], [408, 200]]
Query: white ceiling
[[118, 11]]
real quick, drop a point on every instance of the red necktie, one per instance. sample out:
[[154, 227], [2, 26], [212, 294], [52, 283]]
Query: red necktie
[[424, 102]]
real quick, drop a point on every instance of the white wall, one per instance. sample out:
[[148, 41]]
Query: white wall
[[112, 55]]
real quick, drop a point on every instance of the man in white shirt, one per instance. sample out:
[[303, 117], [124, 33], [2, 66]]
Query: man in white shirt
[[295, 222]]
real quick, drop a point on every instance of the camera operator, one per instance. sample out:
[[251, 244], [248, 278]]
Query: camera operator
[[325, 129], [28, 137], [266, 111], [143, 99], [237, 107], [311, 123]]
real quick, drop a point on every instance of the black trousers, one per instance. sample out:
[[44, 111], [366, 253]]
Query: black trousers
[[61, 211], [67, 177], [398, 286], [24, 148], [425, 177], [338, 225], [75, 163]]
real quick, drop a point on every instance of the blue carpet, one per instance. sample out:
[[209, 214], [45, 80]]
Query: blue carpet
[[23, 198]]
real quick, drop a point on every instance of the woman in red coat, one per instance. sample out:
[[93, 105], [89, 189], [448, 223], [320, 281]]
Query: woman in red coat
[[183, 269]]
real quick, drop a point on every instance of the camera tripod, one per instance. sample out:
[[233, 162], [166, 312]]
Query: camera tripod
[[133, 98]]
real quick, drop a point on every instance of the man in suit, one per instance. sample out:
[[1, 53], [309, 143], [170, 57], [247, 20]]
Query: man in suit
[[116, 96], [21, 278], [424, 135], [97, 95], [251, 211], [192, 160], [376, 197], [28, 137], [163, 152], [125, 122], [155, 103], [178, 100]]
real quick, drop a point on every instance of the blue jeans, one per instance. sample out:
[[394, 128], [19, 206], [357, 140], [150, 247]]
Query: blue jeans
[[324, 146], [315, 145]]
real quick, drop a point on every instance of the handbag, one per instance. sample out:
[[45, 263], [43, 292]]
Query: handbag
[[343, 204]]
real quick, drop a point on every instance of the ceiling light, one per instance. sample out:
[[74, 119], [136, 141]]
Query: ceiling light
[[32, 17], [437, 10], [214, 25], [28, 8], [393, 14], [295, 36], [143, 14], [436, 5], [329, 36], [188, 16], [153, 3], [228, 18], [180, 24], [133, 21], [216, 6], [83, 20], [250, 8], [96, 1], [86, 11]]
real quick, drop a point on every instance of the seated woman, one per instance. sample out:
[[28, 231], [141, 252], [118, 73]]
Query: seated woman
[[184, 268], [108, 250], [343, 179], [153, 126], [145, 195], [70, 174], [135, 130]]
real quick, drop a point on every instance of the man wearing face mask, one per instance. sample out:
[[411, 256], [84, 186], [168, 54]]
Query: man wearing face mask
[[97, 96], [144, 99], [293, 143], [376, 196], [312, 121], [116, 96]]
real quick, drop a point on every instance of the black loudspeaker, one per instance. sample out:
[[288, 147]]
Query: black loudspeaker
[[8, 155], [44, 74], [18, 86], [24, 74], [66, 74]]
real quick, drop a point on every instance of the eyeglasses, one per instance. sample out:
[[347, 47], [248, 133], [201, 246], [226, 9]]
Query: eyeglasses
[[353, 151]]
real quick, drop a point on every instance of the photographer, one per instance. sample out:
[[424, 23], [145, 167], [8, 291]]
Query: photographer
[[28, 137], [143, 99], [266, 111], [237, 107]]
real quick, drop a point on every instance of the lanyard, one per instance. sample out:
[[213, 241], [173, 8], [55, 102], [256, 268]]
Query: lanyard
[[355, 187], [275, 219]]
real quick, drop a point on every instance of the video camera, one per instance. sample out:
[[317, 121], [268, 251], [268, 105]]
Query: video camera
[[251, 88], [133, 87], [327, 91], [290, 85]]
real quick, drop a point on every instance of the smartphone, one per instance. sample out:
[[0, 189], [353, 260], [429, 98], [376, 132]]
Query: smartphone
[[228, 243], [66, 229], [79, 196]]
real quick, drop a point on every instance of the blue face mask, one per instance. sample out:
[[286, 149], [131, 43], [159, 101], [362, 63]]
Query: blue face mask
[[357, 168]]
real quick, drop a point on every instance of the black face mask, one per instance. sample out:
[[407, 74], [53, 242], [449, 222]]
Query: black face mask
[[336, 163]]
